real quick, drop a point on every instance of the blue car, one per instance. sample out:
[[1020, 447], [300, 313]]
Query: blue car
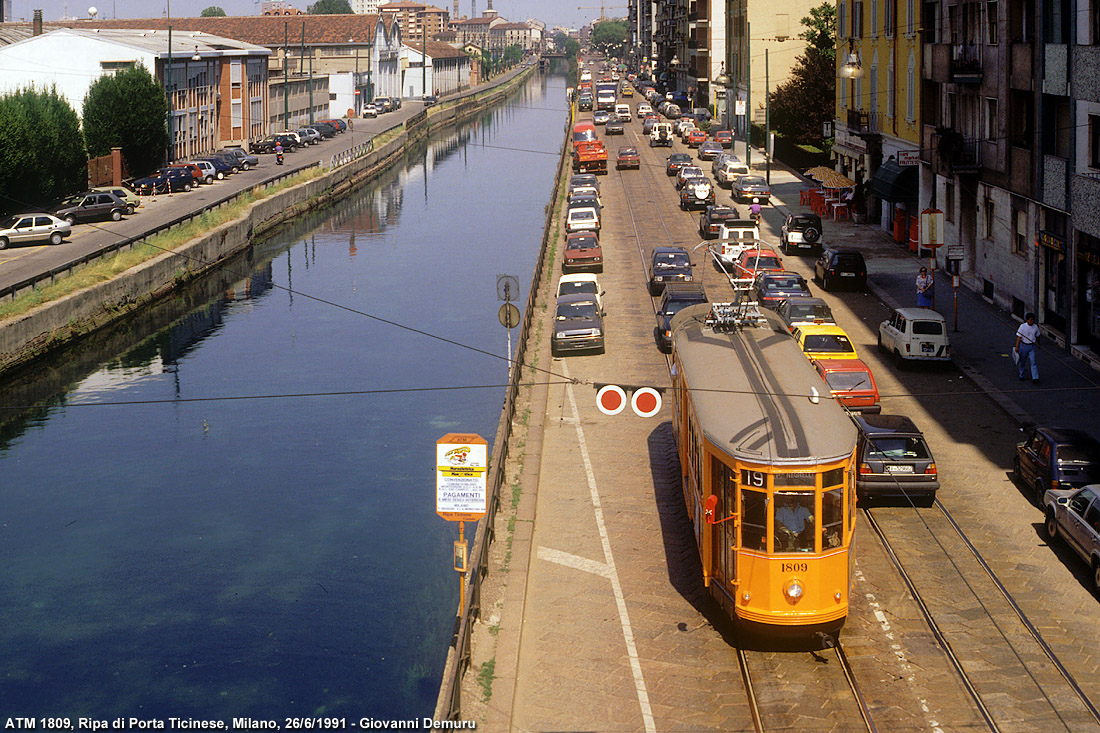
[[164, 181]]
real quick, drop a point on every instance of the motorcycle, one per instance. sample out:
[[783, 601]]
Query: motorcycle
[[278, 158]]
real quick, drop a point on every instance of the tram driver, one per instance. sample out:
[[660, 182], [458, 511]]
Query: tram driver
[[794, 522]]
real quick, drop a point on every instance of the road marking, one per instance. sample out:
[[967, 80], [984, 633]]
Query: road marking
[[574, 561], [612, 573]]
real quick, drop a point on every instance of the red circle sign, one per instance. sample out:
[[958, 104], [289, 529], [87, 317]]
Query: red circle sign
[[611, 399], [646, 402]]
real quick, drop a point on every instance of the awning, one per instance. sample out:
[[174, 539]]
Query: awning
[[893, 182], [842, 149]]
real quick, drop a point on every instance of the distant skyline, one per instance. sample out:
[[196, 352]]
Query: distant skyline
[[555, 13]]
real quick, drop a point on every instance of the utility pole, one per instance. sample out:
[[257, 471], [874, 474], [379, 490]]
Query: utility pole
[[424, 54], [286, 76], [748, 97], [767, 122]]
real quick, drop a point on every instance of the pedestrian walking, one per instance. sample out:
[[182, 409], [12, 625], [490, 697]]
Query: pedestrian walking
[[1027, 345], [925, 285]]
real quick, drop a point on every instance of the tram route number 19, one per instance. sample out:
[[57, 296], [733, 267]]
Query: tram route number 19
[[752, 478]]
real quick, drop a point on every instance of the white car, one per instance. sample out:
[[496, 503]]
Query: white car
[[729, 171], [32, 228], [685, 125], [582, 220], [209, 172], [370, 110], [661, 134], [915, 334], [582, 282], [622, 112], [644, 109]]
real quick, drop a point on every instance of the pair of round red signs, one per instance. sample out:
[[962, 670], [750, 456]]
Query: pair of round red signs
[[611, 399]]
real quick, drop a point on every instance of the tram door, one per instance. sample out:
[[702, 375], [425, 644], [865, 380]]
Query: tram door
[[724, 534]]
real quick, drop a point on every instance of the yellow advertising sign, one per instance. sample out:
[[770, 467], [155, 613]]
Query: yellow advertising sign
[[461, 477]]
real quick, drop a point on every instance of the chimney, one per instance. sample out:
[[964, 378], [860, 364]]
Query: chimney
[[36, 26]]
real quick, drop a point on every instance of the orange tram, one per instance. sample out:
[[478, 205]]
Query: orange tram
[[767, 461]]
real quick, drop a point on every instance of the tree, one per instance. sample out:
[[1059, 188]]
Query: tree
[[572, 48], [212, 12], [43, 156], [127, 109], [512, 55], [802, 104], [610, 37], [330, 7], [560, 39]]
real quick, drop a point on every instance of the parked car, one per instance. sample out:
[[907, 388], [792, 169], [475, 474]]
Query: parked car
[[614, 127], [675, 162], [582, 252], [842, 265], [581, 220], [236, 157], [584, 179], [772, 288], [578, 325], [1056, 458], [92, 206], [724, 138], [326, 129], [209, 172], [677, 296], [222, 167], [802, 310], [915, 334], [581, 191], [582, 201], [895, 461], [644, 110], [672, 112], [384, 104], [710, 221], [696, 193], [1073, 515], [800, 232], [668, 264], [165, 180], [851, 383], [263, 145], [370, 110], [430, 100], [196, 172], [709, 150], [747, 188], [627, 157], [33, 228], [824, 341], [583, 282], [309, 135], [133, 201]]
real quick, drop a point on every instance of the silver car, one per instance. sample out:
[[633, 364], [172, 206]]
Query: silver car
[[1073, 515], [32, 228], [245, 160], [309, 135]]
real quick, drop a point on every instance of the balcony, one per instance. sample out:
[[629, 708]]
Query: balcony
[[966, 66], [957, 153], [859, 122]]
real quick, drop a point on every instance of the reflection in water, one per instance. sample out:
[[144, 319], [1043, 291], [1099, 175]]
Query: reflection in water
[[179, 540]]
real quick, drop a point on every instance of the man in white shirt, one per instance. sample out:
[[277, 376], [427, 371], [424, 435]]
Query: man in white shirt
[[1027, 345]]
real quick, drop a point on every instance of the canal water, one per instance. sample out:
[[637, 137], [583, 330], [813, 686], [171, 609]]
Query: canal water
[[226, 507]]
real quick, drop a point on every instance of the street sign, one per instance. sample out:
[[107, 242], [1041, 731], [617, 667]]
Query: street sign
[[739, 108], [508, 315], [461, 477], [908, 157], [956, 252], [931, 229]]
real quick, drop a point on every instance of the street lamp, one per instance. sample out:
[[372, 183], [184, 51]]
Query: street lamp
[[355, 79], [721, 85]]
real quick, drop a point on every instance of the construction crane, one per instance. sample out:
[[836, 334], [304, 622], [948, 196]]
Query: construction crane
[[601, 6]]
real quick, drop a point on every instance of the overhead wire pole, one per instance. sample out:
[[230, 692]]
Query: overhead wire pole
[[286, 75]]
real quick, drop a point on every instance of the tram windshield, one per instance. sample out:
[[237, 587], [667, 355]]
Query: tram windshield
[[794, 521]]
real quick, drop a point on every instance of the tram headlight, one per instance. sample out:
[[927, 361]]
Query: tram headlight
[[793, 591]]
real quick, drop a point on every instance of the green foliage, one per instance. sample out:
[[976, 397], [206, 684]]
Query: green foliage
[[212, 12], [807, 99], [330, 7], [820, 30], [512, 55], [610, 37], [572, 48], [129, 110], [42, 158], [560, 39]]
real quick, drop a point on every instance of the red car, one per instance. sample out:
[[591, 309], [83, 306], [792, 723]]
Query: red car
[[696, 138], [582, 252], [193, 169], [754, 261], [627, 158], [850, 381], [725, 137]]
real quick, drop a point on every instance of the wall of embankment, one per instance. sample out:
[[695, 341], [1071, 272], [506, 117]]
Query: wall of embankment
[[74, 316]]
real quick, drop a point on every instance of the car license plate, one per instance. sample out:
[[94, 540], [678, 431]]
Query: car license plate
[[847, 274], [899, 469], [927, 347]]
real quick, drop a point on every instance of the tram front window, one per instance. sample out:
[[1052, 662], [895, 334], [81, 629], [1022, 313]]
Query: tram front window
[[754, 519], [794, 522]]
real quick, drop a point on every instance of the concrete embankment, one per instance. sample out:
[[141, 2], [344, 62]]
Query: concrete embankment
[[32, 334]]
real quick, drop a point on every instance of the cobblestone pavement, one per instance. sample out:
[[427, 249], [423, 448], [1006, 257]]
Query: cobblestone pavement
[[612, 630]]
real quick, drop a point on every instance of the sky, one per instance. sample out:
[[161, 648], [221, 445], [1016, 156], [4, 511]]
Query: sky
[[552, 12]]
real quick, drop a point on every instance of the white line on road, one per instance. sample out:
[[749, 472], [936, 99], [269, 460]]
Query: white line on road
[[612, 573], [573, 561]]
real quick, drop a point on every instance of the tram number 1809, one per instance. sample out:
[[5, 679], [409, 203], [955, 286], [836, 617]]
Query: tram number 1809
[[793, 567]]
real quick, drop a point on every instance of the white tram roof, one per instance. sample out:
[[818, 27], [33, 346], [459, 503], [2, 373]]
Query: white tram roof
[[751, 389]]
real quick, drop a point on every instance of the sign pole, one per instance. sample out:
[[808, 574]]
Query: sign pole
[[462, 572], [461, 485]]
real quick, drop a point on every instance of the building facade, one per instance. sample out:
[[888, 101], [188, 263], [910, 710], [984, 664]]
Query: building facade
[[416, 18]]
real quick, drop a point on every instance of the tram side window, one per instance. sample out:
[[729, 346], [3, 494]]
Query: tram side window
[[832, 518], [754, 520], [794, 521]]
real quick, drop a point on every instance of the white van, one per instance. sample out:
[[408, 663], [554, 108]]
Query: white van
[[661, 134], [622, 112], [730, 170]]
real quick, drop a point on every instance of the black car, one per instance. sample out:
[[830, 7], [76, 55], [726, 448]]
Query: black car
[[578, 325], [799, 311], [697, 193], [229, 159], [772, 288], [584, 104], [676, 297], [675, 162], [669, 264], [222, 167], [430, 100], [836, 266], [894, 460], [584, 179], [264, 145], [92, 206], [615, 127], [326, 129], [710, 221], [1056, 458], [582, 201], [165, 180], [800, 232]]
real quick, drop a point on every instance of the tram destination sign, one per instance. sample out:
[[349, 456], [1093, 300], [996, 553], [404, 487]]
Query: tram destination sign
[[461, 477]]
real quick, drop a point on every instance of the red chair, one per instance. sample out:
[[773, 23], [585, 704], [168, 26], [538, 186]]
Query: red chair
[[804, 196], [841, 211]]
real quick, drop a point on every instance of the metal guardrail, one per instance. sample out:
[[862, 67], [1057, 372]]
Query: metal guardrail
[[449, 703], [11, 292]]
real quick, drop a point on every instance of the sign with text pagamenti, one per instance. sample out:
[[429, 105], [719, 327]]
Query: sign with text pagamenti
[[461, 477]]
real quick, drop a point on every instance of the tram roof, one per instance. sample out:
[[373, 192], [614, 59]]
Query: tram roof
[[751, 390]]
